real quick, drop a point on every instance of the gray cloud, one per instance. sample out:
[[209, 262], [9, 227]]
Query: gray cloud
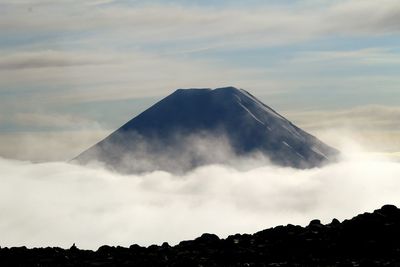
[[383, 17], [50, 59]]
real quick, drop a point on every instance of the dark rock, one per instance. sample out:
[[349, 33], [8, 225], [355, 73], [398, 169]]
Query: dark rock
[[73, 247], [335, 222], [207, 238], [315, 222], [390, 210], [165, 245], [369, 239]]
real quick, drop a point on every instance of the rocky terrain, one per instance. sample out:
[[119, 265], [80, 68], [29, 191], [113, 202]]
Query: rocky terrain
[[369, 239]]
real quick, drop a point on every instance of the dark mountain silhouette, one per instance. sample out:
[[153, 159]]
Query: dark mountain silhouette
[[193, 127], [369, 239]]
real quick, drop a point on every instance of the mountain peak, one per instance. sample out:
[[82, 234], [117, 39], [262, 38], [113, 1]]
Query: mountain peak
[[217, 92], [191, 127], [227, 89]]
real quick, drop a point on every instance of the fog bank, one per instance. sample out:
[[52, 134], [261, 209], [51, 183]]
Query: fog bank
[[57, 204]]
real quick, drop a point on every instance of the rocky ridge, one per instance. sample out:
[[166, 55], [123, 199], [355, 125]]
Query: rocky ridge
[[369, 239]]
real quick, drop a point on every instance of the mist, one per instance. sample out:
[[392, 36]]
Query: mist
[[58, 204]]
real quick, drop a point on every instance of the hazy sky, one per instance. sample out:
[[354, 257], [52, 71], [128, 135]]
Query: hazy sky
[[72, 71]]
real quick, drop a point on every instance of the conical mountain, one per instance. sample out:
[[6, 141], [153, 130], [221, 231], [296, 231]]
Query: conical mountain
[[193, 127]]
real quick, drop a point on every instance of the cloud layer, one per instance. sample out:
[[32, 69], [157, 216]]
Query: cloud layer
[[234, 25], [57, 204]]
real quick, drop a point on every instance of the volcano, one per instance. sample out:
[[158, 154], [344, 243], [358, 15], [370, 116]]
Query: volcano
[[195, 127]]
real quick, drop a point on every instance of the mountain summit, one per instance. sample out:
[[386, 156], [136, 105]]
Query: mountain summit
[[194, 127]]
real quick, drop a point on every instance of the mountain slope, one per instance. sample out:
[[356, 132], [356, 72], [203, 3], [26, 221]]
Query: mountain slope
[[193, 127]]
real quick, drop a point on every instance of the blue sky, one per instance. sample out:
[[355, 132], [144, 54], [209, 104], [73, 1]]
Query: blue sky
[[89, 66]]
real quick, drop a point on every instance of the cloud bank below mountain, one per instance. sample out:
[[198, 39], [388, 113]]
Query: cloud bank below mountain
[[57, 204]]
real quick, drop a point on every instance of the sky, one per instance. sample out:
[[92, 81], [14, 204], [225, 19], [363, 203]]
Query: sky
[[73, 71]]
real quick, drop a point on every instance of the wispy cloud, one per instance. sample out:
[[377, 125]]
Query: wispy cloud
[[51, 59], [229, 27], [70, 77]]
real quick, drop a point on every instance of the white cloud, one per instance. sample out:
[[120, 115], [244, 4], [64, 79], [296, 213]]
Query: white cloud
[[56, 204]]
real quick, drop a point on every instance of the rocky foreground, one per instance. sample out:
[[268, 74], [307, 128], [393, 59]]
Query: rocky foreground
[[369, 239]]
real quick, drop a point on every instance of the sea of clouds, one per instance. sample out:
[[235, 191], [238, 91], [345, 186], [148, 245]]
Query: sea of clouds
[[58, 204]]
